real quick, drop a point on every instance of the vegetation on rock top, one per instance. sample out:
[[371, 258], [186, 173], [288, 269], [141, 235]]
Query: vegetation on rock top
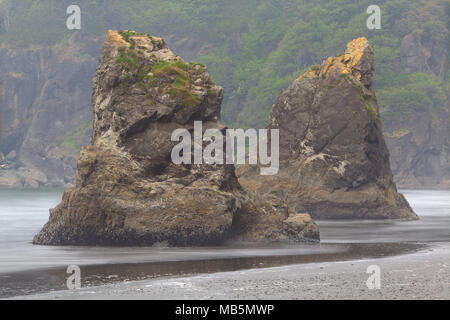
[[175, 78]]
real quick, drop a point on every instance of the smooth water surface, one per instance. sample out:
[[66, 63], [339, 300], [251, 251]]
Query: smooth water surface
[[24, 212]]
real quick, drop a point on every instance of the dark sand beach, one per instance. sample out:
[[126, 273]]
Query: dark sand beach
[[420, 275]]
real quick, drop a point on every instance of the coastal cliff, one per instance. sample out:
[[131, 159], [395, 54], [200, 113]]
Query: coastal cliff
[[129, 192], [44, 112], [419, 138], [334, 162]]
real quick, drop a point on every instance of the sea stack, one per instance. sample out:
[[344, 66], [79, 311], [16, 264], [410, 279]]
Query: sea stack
[[334, 163], [129, 192]]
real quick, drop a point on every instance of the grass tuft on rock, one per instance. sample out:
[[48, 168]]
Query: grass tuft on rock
[[176, 76]]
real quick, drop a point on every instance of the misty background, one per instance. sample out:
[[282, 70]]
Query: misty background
[[254, 49]]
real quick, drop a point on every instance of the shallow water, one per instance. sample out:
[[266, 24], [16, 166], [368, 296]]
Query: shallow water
[[24, 212], [432, 207], [25, 268]]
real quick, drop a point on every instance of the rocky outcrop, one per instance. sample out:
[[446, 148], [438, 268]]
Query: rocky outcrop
[[44, 108], [333, 159], [129, 192]]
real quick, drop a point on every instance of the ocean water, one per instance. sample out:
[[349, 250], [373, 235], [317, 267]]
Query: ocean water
[[26, 268], [432, 207]]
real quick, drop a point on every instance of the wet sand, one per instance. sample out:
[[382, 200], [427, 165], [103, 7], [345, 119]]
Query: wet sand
[[232, 259], [420, 275]]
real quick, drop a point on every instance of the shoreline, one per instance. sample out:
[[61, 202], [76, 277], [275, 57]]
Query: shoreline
[[33, 270], [212, 260], [423, 274]]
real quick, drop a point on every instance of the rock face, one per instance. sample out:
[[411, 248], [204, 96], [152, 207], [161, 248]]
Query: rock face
[[44, 115], [420, 149], [129, 192], [419, 139], [333, 159]]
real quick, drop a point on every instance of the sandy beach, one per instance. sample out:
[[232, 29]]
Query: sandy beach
[[421, 275]]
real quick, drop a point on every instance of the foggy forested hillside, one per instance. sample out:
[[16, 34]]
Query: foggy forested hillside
[[253, 48]]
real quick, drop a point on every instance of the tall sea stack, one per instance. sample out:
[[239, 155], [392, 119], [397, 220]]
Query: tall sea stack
[[129, 192], [333, 158]]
